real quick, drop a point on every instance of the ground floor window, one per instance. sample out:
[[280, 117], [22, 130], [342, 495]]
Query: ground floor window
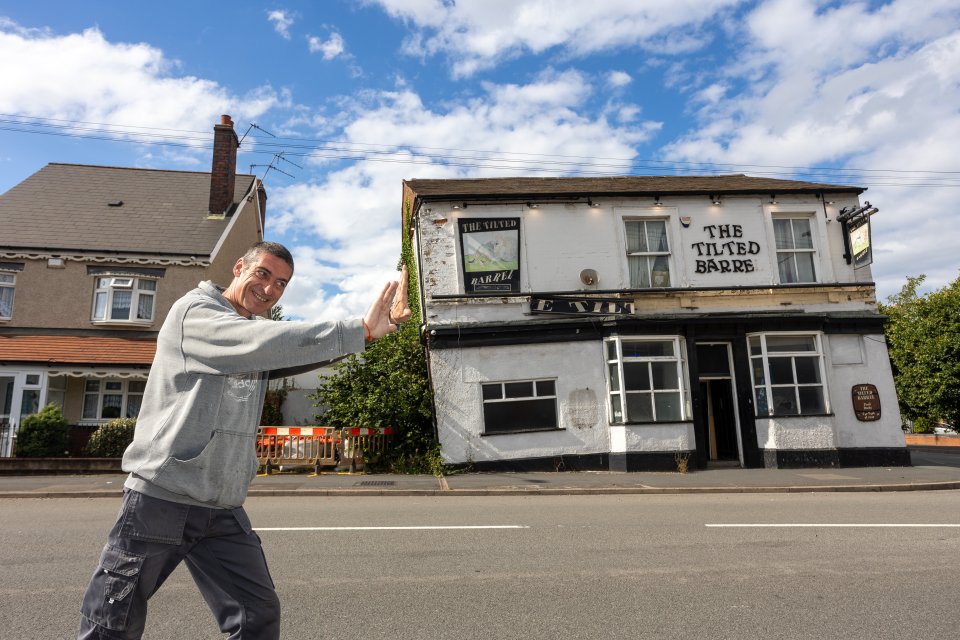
[[645, 380], [108, 399], [526, 405], [788, 374]]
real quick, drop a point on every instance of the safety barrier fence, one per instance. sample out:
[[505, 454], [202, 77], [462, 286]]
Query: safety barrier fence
[[319, 446]]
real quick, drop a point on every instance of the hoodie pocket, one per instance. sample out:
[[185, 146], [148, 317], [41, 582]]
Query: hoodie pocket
[[219, 475]]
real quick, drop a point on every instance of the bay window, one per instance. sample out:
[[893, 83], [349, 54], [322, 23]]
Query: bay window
[[646, 380], [108, 399], [788, 374], [124, 299]]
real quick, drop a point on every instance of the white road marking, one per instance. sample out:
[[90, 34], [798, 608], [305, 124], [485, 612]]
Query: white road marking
[[825, 525], [432, 528]]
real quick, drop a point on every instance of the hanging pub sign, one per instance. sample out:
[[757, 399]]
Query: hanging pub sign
[[491, 254], [866, 402], [860, 246]]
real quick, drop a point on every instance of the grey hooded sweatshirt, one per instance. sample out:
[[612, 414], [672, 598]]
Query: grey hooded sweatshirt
[[196, 432]]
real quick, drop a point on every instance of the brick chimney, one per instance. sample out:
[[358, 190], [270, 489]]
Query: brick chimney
[[223, 174]]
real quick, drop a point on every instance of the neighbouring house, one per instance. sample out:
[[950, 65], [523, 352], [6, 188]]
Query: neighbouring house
[[92, 258], [624, 323]]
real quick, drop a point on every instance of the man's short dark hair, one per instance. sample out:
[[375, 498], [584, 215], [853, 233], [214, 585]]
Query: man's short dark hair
[[273, 248]]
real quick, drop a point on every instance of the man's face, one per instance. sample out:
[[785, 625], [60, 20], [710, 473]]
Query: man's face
[[258, 285]]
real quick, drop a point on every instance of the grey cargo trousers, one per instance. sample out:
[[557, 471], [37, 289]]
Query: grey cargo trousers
[[148, 541]]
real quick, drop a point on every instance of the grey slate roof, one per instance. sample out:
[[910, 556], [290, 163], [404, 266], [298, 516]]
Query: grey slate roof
[[498, 188], [66, 207]]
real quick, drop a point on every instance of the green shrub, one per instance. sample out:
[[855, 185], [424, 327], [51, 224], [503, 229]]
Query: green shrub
[[111, 439], [44, 434]]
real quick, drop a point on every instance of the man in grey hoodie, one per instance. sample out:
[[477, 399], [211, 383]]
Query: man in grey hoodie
[[193, 457]]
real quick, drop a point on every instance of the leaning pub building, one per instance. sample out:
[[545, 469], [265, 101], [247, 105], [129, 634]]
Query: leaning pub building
[[628, 323]]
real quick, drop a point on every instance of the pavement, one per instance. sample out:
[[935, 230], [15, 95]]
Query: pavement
[[931, 471]]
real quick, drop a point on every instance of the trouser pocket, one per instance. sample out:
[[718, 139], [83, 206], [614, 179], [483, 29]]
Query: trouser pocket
[[111, 591]]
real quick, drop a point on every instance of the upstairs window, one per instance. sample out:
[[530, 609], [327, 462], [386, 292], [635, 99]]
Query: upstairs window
[[648, 253], [795, 251], [788, 375], [8, 282], [124, 299]]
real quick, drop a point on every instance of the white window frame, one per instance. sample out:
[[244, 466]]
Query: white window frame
[[767, 387], [793, 252], [8, 281], [97, 394], [616, 384], [665, 218], [503, 399], [106, 286]]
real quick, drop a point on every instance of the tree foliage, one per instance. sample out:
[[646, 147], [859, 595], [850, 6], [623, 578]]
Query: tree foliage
[[43, 434], [387, 386], [923, 337]]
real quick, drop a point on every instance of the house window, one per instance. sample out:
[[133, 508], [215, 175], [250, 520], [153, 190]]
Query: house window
[[123, 299], [788, 374], [108, 399], [648, 253], [7, 284], [512, 407], [645, 380], [795, 251]]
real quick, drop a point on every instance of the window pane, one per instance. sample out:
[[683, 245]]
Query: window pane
[[518, 389], [617, 409], [657, 235], [147, 285], [639, 272], [133, 405], [103, 283], [758, 377], [804, 265], [636, 237], [664, 375], [802, 237], [90, 406], [7, 278], [636, 376], [120, 310], [145, 307], [668, 406], [811, 400], [762, 408], [787, 264], [712, 360], [136, 386], [648, 349], [113, 385], [92, 385], [781, 371], [808, 369], [521, 415], [6, 302], [660, 274], [546, 388], [111, 406], [783, 233], [492, 391], [100, 306], [639, 407], [791, 343], [785, 401], [754, 342], [612, 350], [614, 377]]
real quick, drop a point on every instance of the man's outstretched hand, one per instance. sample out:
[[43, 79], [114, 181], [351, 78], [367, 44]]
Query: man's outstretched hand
[[390, 309]]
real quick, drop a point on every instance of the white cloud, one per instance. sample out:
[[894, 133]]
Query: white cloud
[[282, 21], [330, 48], [523, 130], [84, 77], [618, 79], [478, 34], [881, 96]]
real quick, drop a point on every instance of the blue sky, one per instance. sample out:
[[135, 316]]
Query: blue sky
[[361, 94]]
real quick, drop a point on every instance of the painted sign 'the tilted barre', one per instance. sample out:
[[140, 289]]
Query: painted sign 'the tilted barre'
[[491, 254]]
